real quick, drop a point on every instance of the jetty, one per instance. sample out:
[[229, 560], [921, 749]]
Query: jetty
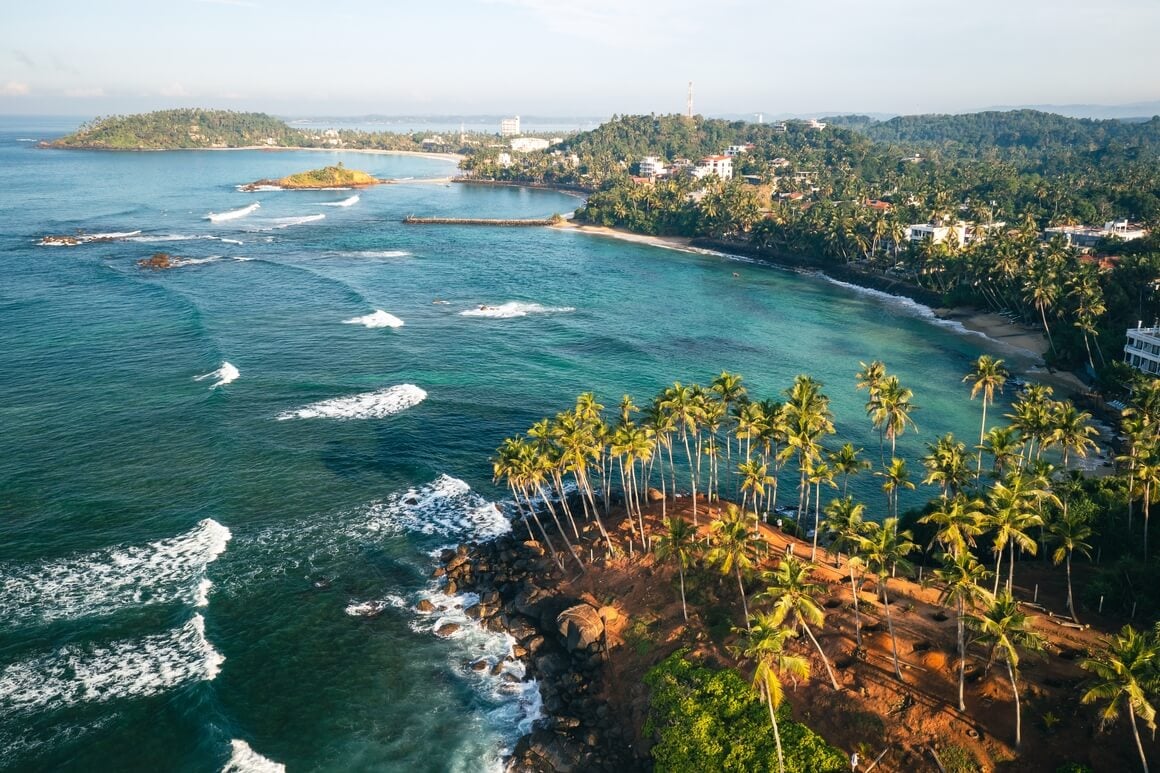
[[412, 220]]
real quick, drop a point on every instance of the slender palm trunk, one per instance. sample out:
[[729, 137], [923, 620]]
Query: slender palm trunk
[[1011, 566], [1070, 598], [744, 603], [781, 757], [825, 660], [1147, 502], [857, 616], [559, 480], [624, 484], [817, 522], [890, 625], [560, 528], [1135, 734], [531, 511], [998, 574], [692, 475], [962, 658], [982, 434], [1046, 329], [1018, 708], [681, 571]]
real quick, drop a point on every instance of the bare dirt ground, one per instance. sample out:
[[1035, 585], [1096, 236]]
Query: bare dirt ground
[[912, 721]]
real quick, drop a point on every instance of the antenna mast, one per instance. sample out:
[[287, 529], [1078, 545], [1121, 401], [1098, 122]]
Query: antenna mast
[[689, 102]]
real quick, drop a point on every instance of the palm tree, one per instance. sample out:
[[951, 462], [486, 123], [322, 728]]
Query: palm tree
[[896, 477], [959, 521], [730, 392], [846, 462], [946, 465], [1070, 430], [808, 417], [845, 523], [870, 378], [960, 575], [763, 643], [1123, 675], [678, 543], [681, 401], [754, 477], [893, 409], [732, 548], [987, 376], [1068, 532], [1148, 482], [794, 598], [1002, 443], [1004, 627], [1013, 505], [886, 549]]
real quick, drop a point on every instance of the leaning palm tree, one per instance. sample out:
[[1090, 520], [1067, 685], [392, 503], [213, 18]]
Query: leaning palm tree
[[794, 598], [987, 376], [894, 409], [846, 462], [1123, 674], [885, 550], [1013, 505], [1068, 533], [763, 643], [1004, 627], [732, 548], [961, 575], [678, 543]]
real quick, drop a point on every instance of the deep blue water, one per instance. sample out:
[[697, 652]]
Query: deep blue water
[[181, 570]]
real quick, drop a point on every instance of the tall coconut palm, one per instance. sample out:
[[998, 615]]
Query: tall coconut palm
[[1004, 628], [987, 376], [1002, 444], [1122, 677], [793, 598], [893, 409], [1148, 482], [961, 575], [1013, 512], [682, 402], [1071, 430], [763, 644], [846, 462], [844, 520], [819, 473], [754, 477], [808, 418], [946, 465], [732, 548], [896, 477], [678, 543], [870, 378], [730, 391], [959, 521], [885, 549], [1068, 532]]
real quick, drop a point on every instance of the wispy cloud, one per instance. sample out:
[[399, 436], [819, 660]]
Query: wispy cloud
[[173, 90], [14, 89], [236, 3], [641, 22]]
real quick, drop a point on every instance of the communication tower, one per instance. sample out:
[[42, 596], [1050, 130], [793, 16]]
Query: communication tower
[[689, 102]]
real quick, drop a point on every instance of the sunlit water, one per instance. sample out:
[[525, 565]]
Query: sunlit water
[[221, 485]]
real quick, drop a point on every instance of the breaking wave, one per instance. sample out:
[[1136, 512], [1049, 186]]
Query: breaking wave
[[244, 759], [226, 374], [347, 202], [98, 673], [447, 507], [379, 319], [233, 214], [72, 241], [514, 309], [368, 405], [374, 254], [101, 583]]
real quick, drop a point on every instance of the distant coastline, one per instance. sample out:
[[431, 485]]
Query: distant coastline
[[456, 157]]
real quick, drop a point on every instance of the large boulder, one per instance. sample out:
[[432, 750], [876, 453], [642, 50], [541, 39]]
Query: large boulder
[[581, 627]]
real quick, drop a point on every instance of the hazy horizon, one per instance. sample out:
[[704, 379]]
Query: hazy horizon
[[590, 58]]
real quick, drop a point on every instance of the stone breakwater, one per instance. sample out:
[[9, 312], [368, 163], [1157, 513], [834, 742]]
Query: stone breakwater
[[560, 639]]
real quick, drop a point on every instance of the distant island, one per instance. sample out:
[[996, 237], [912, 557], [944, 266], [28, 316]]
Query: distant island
[[336, 176]]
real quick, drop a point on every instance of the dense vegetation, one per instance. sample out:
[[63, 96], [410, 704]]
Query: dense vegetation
[[336, 176], [710, 719], [1007, 175], [1014, 495]]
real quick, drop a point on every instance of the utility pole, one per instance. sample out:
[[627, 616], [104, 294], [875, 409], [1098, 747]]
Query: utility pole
[[689, 102]]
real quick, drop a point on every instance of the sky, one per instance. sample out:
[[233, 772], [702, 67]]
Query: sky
[[573, 57]]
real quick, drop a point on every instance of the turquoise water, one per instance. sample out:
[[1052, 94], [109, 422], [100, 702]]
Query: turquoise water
[[185, 568]]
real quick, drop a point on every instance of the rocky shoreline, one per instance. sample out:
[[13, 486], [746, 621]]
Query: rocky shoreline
[[560, 638]]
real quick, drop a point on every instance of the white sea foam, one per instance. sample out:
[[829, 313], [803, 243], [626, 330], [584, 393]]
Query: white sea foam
[[248, 187], [226, 374], [368, 405], [97, 673], [72, 241], [347, 202], [233, 214], [375, 254], [514, 309], [100, 583], [244, 759], [287, 222], [375, 607], [447, 506], [26, 139], [379, 319], [232, 241]]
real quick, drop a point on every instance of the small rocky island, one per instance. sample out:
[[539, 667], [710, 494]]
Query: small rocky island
[[336, 176]]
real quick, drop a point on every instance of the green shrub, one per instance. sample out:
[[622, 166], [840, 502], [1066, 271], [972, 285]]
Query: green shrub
[[711, 719]]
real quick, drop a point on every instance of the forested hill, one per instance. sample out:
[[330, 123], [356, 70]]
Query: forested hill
[[190, 128], [1013, 130]]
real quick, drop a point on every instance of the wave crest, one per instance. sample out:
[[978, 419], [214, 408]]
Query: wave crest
[[233, 214], [226, 374], [244, 759], [514, 309], [368, 405], [380, 318]]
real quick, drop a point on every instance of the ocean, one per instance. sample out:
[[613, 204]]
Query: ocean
[[222, 485]]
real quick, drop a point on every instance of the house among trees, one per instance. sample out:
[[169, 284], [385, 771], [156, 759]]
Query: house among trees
[[1088, 236], [1142, 351]]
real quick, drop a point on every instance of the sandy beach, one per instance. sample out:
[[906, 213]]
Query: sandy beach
[[668, 242]]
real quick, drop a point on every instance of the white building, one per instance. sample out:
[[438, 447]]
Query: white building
[[937, 233], [528, 144], [722, 166], [1142, 351], [509, 127], [504, 159], [651, 166], [1087, 236], [737, 150], [814, 123]]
